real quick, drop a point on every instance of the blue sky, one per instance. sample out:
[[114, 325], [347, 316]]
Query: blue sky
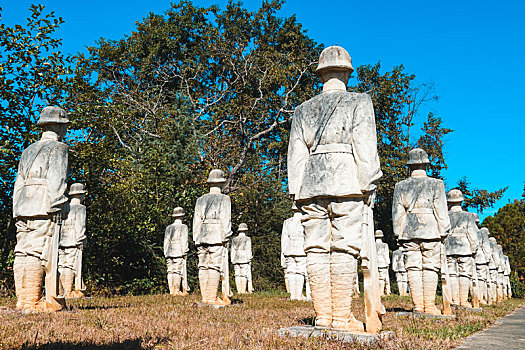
[[474, 52]]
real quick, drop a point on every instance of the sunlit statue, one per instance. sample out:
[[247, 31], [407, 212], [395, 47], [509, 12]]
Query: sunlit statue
[[72, 243], [211, 234], [501, 273], [333, 170], [175, 252], [482, 258], [383, 263], [241, 258], [461, 245], [506, 281], [398, 266], [39, 196], [421, 223], [494, 265]]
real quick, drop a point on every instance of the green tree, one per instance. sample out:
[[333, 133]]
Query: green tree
[[478, 199]]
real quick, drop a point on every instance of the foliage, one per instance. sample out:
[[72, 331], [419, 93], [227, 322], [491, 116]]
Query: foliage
[[33, 74], [432, 142], [478, 199], [508, 227]]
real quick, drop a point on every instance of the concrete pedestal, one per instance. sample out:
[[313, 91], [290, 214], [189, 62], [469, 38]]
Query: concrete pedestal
[[328, 333]]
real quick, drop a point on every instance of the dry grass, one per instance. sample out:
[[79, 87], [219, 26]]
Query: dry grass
[[164, 322]]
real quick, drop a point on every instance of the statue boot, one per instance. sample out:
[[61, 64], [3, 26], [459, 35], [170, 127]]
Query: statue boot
[[382, 287], [18, 271], [430, 280], [415, 280], [454, 288], [244, 283], [343, 268], [308, 290], [482, 288], [214, 278], [318, 266], [464, 287], [32, 284], [203, 284], [66, 280], [297, 287], [238, 284], [175, 284]]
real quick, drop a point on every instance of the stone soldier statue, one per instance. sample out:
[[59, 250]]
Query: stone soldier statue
[[38, 198], [241, 258], [292, 249], [461, 245], [398, 266], [501, 273], [383, 262], [483, 255], [175, 252], [72, 243], [493, 269], [506, 281], [211, 234], [333, 170], [421, 223]]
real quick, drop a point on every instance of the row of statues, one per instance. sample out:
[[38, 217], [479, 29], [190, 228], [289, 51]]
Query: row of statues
[[333, 174]]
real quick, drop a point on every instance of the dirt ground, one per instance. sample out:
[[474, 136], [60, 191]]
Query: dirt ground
[[167, 322]]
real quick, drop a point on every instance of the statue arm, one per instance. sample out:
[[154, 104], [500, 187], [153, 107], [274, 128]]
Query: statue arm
[[57, 177], [398, 213], [226, 216], [249, 247], [472, 234], [441, 210], [198, 217], [184, 239], [365, 146], [80, 226], [166, 240], [19, 182], [298, 154]]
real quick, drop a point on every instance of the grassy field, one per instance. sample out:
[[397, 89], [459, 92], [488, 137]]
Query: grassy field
[[166, 322]]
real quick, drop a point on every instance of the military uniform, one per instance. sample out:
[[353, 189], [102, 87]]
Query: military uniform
[[175, 251], [292, 249], [211, 234], [241, 257], [420, 222], [493, 269], [383, 262], [482, 258], [72, 243], [460, 247], [398, 266], [38, 197], [501, 273], [333, 165], [506, 274]]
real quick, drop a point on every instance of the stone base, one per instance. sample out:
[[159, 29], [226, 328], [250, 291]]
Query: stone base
[[471, 309], [213, 306], [327, 333], [420, 314]]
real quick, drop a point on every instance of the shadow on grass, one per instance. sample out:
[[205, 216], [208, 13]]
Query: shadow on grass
[[398, 309], [307, 321], [95, 307], [127, 344]]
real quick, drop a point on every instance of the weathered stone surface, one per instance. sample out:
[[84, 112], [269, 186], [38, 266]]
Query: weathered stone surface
[[175, 252], [38, 198], [211, 234], [327, 333], [241, 258], [422, 314], [294, 257], [332, 153]]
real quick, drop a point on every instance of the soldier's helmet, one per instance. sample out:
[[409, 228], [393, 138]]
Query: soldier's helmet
[[379, 234], [243, 227], [476, 217], [77, 188], [417, 156], [499, 246], [178, 212], [492, 239], [455, 196], [52, 115], [334, 58], [216, 176], [485, 230]]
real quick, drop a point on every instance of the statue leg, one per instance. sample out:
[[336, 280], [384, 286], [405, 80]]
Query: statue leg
[[32, 283], [464, 266], [203, 273], [413, 264], [431, 254], [18, 270], [454, 279], [66, 280], [343, 267]]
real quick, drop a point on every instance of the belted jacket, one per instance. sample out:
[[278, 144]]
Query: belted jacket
[[419, 209], [73, 226], [483, 253], [40, 184], [398, 261], [463, 238], [383, 255], [292, 237], [507, 270], [176, 240], [241, 251], [212, 219], [494, 256], [332, 150]]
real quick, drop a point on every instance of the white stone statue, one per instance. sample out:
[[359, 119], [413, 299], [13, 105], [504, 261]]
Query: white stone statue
[[72, 243], [333, 169], [506, 281], [398, 266], [241, 258], [493, 269], [383, 263], [421, 223], [461, 245], [292, 250], [38, 198], [175, 252], [501, 273], [482, 258], [211, 234]]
